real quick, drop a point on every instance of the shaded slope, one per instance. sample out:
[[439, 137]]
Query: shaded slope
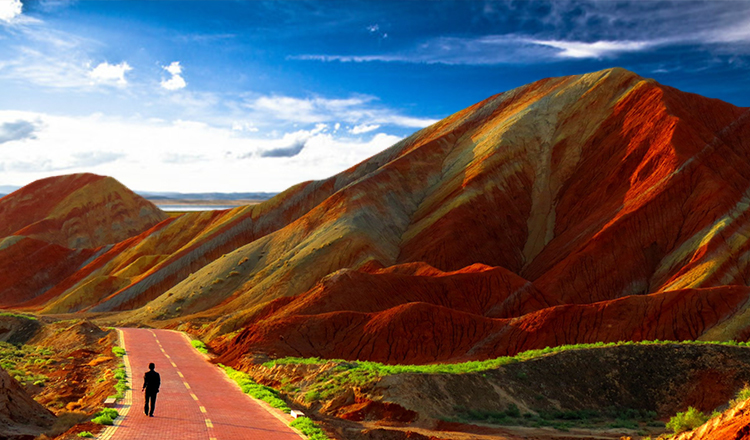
[[423, 332], [31, 266], [20, 415]]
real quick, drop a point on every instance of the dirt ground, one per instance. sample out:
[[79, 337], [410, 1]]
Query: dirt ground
[[67, 366]]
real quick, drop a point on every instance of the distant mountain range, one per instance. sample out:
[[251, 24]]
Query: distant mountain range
[[167, 196]]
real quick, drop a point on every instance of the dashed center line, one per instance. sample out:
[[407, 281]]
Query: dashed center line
[[209, 423]]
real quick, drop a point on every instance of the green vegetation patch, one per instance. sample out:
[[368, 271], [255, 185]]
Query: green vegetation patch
[[249, 386], [85, 434], [200, 346], [121, 375], [105, 416], [379, 369], [309, 428], [561, 420], [19, 315], [27, 363], [742, 395], [686, 421], [118, 351]]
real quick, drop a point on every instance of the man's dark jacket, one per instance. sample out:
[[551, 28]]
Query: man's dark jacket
[[151, 382]]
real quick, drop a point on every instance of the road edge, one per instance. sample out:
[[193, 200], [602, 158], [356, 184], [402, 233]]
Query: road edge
[[124, 405]]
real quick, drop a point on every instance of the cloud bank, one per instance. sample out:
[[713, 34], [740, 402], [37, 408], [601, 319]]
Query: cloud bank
[[183, 156]]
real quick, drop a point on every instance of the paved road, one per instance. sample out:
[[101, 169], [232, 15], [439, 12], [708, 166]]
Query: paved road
[[196, 401]]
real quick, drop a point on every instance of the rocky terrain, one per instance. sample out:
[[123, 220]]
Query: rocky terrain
[[53, 376], [20, 415]]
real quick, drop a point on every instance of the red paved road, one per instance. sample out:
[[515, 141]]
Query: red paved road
[[196, 401]]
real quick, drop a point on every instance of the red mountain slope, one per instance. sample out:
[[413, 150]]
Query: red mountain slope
[[595, 207], [77, 211]]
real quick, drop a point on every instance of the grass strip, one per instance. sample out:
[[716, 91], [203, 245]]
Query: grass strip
[[271, 397], [369, 368], [121, 375], [309, 428], [19, 315], [261, 392]]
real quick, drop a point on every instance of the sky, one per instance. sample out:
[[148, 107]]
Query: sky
[[249, 96]]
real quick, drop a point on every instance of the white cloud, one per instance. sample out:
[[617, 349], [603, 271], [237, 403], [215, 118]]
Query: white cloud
[[356, 110], [110, 73], [364, 128], [598, 49], [169, 156], [492, 50], [176, 82], [10, 9]]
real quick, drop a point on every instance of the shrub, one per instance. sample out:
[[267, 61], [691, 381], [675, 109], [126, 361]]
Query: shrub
[[312, 396], [309, 428], [85, 434], [513, 411], [103, 420], [118, 351], [741, 396], [109, 412], [686, 421], [200, 346]]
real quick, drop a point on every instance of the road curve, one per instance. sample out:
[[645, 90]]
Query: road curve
[[196, 401]]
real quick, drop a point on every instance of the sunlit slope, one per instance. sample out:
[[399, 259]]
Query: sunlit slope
[[541, 180], [77, 211]]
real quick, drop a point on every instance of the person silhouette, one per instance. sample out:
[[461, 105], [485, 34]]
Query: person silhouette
[[151, 384]]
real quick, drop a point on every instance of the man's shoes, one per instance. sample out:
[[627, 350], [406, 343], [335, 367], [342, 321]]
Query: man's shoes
[[150, 415]]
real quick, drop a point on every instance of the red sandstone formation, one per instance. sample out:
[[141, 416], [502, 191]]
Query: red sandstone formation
[[587, 208], [77, 211]]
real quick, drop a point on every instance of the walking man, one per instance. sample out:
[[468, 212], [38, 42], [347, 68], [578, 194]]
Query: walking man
[[151, 384]]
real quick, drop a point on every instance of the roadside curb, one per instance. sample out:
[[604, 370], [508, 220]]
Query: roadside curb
[[123, 406]]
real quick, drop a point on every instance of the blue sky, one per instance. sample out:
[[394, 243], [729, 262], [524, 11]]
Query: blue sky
[[233, 96]]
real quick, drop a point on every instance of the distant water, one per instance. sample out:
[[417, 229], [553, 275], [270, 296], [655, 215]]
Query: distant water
[[195, 207]]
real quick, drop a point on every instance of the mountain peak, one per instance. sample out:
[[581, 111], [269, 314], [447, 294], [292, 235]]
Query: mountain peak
[[77, 211]]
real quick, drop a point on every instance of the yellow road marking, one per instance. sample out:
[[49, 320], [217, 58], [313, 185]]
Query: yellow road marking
[[202, 408], [174, 365], [209, 424], [179, 373], [187, 385], [194, 396]]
